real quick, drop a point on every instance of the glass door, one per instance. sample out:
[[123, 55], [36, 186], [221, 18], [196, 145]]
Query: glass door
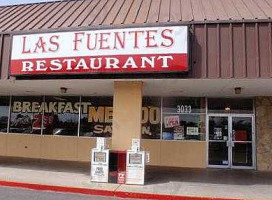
[[218, 141], [230, 141], [242, 142]]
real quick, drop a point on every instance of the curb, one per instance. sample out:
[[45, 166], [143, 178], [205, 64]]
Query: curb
[[119, 194]]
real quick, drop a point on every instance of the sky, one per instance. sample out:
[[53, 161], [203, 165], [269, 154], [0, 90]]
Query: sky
[[13, 2]]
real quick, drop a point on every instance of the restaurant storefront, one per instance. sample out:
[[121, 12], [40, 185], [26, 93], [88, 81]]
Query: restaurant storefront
[[197, 94]]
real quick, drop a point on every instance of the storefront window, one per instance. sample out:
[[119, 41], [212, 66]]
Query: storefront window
[[151, 118], [96, 116], [26, 115], [240, 106], [61, 115], [4, 111], [183, 118]]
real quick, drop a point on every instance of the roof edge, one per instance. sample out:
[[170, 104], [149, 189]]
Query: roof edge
[[156, 24], [42, 2]]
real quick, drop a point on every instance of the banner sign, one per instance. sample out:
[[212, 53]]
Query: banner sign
[[152, 49]]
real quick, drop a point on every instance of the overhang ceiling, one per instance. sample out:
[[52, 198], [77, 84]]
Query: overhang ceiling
[[152, 87]]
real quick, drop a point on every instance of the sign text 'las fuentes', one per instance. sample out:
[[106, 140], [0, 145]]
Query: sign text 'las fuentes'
[[154, 49]]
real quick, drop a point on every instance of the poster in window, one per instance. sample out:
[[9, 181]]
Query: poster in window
[[192, 131], [217, 131], [179, 133], [171, 121]]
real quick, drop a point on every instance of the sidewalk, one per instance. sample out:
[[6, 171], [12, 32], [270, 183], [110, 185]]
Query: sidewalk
[[202, 183]]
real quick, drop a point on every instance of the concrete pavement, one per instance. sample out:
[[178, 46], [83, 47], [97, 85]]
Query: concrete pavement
[[211, 183]]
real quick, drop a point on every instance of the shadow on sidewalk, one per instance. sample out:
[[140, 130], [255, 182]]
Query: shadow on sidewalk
[[154, 175], [157, 175]]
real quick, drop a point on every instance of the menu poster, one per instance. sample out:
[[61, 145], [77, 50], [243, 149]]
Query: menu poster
[[171, 121], [179, 133]]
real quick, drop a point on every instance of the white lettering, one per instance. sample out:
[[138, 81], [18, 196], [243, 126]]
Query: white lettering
[[27, 66], [40, 65], [165, 60], [92, 63], [148, 60], [55, 65], [81, 64], [69, 63], [130, 62], [112, 63]]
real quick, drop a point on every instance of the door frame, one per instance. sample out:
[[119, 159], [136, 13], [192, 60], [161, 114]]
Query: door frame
[[230, 116]]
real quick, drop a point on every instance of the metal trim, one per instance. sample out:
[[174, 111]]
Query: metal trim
[[143, 25], [161, 117], [79, 116], [42, 124], [9, 114], [230, 151]]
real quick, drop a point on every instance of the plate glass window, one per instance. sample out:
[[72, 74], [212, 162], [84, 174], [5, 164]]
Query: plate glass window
[[26, 114], [96, 116], [4, 112], [239, 106], [61, 116], [183, 118], [151, 118]]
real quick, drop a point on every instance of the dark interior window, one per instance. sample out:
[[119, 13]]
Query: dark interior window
[[61, 115], [151, 118], [96, 116], [242, 106], [4, 112], [26, 114]]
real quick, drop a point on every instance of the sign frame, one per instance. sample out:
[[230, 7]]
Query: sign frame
[[126, 73]]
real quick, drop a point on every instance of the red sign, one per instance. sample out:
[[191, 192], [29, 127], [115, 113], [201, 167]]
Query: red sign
[[121, 179], [159, 49]]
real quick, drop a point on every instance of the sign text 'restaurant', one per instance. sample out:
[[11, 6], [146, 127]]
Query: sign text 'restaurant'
[[156, 49]]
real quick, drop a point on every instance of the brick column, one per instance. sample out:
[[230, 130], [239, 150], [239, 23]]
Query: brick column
[[264, 133]]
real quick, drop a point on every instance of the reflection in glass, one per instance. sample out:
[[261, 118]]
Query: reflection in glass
[[242, 154], [26, 115], [183, 118], [218, 153], [4, 111], [61, 116], [96, 116], [151, 118], [242, 129], [241, 106], [184, 105], [183, 127]]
